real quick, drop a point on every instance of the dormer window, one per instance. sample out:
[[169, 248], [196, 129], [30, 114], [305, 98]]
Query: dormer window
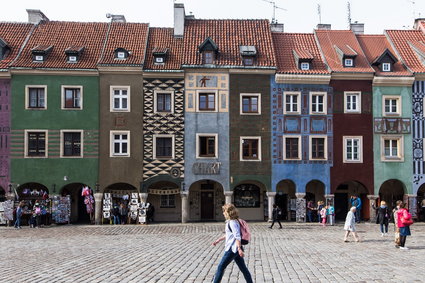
[[73, 53], [209, 51], [4, 49], [385, 61], [305, 66], [347, 55], [159, 55], [40, 52], [386, 67], [248, 54], [121, 54], [348, 62], [72, 59], [39, 58], [303, 59], [208, 57], [159, 59]]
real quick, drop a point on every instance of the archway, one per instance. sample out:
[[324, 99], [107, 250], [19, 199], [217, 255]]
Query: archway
[[250, 197], [2, 195], [420, 198], [164, 198], [32, 194], [79, 213], [343, 195], [206, 198], [391, 191], [285, 198], [120, 194]]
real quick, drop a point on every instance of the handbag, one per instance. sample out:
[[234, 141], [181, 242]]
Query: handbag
[[406, 221]]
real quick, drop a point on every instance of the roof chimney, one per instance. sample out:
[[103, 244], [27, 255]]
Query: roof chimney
[[116, 18], [275, 27], [36, 16], [179, 16], [324, 26], [357, 28]]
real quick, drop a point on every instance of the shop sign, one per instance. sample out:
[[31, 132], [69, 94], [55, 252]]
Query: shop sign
[[206, 168], [164, 191]]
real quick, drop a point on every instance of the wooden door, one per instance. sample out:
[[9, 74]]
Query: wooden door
[[207, 205]]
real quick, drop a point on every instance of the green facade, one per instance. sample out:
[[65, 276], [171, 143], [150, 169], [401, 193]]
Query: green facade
[[402, 170], [53, 169]]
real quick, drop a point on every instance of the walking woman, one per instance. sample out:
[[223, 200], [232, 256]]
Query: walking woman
[[233, 249], [275, 216], [383, 217], [350, 225], [404, 220]]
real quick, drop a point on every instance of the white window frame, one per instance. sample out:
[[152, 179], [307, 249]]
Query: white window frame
[[172, 147], [62, 143], [46, 132], [386, 67], [299, 147], [345, 139], [63, 87], [346, 60], [258, 95], [241, 148], [215, 101], [111, 142], [121, 55], [168, 201], [27, 93], [397, 98], [400, 148], [325, 103], [155, 102], [310, 147], [198, 135], [38, 58], [305, 66], [358, 109], [112, 96], [72, 59], [159, 59], [292, 93]]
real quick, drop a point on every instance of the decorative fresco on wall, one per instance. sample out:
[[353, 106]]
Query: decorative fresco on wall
[[418, 120]]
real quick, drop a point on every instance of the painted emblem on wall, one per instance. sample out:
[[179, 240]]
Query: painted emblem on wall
[[175, 172], [206, 81]]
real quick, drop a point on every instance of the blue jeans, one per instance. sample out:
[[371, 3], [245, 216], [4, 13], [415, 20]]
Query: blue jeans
[[117, 219], [227, 258], [18, 222], [382, 228], [358, 215], [309, 216]]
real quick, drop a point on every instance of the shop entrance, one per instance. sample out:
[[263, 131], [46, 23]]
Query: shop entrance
[[79, 214], [207, 205], [165, 202], [343, 195], [391, 191], [286, 200], [205, 199]]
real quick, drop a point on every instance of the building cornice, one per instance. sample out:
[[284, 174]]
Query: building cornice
[[120, 70], [420, 76], [163, 74], [4, 74], [352, 76], [393, 81], [302, 79], [252, 71], [54, 72]]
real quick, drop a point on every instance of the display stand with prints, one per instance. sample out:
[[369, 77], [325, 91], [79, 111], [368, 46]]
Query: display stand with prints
[[61, 209], [8, 211], [2, 218], [107, 206], [143, 209], [134, 206]]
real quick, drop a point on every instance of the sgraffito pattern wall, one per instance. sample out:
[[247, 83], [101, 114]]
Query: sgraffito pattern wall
[[418, 120]]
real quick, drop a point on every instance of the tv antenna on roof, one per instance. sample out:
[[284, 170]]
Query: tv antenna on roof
[[274, 10], [349, 14], [319, 12]]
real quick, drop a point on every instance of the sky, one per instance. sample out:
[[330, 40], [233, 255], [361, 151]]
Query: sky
[[296, 15]]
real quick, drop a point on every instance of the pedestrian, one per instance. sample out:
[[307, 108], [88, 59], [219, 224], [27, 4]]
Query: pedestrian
[[357, 202], [382, 217], [331, 214], [123, 213], [404, 221], [310, 210], [18, 215], [350, 225], [277, 212], [320, 205], [396, 229], [116, 217], [233, 249], [323, 215]]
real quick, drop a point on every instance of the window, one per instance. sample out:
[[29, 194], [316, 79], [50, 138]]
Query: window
[[72, 59], [121, 55], [120, 98], [318, 148], [248, 61], [250, 149], [247, 195], [39, 58], [208, 57], [305, 66], [353, 149], [250, 103], [168, 201], [206, 146], [291, 148], [318, 103], [120, 143], [386, 67], [159, 59], [391, 105], [292, 103], [348, 62], [207, 102], [392, 148], [164, 146], [36, 97], [71, 143], [71, 97], [164, 102], [352, 102], [36, 143]]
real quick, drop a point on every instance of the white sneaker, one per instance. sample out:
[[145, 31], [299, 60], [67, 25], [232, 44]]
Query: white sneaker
[[382, 234], [404, 248]]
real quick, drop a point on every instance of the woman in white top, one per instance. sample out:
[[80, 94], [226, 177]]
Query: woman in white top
[[233, 249], [350, 224]]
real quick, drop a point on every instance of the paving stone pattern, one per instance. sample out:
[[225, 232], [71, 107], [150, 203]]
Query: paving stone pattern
[[183, 253]]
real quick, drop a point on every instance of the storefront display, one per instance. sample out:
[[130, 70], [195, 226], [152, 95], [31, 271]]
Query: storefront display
[[61, 209], [107, 206]]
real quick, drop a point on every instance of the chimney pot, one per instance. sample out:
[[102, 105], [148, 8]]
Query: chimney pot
[[357, 28], [324, 26], [36, 16], [179, 17]]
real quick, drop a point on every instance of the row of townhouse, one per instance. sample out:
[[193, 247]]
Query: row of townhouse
[[211, 112]]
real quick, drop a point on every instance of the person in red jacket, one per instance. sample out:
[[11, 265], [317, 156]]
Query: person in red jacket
[[403, 217]]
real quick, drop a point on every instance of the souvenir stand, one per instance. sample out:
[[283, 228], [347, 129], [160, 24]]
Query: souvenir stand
[[113, 198], [30, 197], [107, 206], [133, 207], [87, 193], [7, 212], [143, 211], [2, 219], [61, 209]]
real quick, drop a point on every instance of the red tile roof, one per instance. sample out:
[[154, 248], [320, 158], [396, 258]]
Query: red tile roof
[[285, 43], [403, 40], [229, 35], [303, 54], [62, 35], [130, 36], [328, 39], [161, 39], [14, 34], [373, 47]]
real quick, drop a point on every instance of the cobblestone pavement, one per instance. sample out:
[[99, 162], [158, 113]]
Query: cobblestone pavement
[[183, 253]]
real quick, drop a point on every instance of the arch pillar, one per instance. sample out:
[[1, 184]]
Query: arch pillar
[[185, 206], [301, 207], [270, 197], [98, 208], [372, 211], [228, 196]]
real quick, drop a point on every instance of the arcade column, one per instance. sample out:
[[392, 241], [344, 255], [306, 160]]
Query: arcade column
[[372, 211], [301, 207], [270, 196], [228, 196], [185, 206], [98, 208]]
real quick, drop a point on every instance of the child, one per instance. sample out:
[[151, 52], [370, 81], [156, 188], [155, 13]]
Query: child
[[323, 215]]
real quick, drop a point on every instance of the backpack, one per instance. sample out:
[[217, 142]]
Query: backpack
[[245, 233]]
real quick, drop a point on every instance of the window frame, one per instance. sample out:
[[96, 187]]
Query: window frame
[[155, 102], [345, 139], [27, 98], [205, 57], [304, 64], [198, 145], [284, 147], [310, 147], [292, 93], [358, 109], [112, 89], [155, 137], [112, 144], [325, 103], [242, 96], [168, 201], [26, 143], [241, 141], [349, 60], [398, 106], [400, 148], [63, 98], [203, 92], [62, 143], [388, 65]]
